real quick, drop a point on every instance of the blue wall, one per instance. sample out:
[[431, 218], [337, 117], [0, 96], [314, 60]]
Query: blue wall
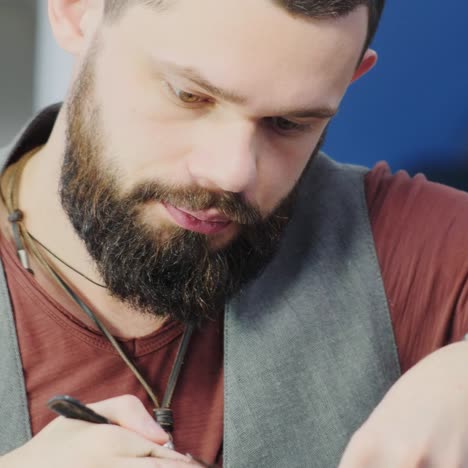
[[412, 109]]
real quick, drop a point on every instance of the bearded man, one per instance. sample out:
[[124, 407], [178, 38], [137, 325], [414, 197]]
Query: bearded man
[[179, 254]]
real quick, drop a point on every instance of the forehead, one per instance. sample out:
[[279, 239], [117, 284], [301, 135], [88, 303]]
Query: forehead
[[253, 47]]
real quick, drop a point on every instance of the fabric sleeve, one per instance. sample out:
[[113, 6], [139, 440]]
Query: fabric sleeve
[[420, 230]]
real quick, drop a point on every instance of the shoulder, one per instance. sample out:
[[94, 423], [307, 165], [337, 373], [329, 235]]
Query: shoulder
[[414, 212], [420, 232], [384, 190]]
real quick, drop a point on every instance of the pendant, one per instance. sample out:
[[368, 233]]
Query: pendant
[[170, 443], [164, 417]]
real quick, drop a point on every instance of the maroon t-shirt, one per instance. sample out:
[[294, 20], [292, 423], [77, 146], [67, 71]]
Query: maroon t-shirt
[[61, 355], [420, 231]]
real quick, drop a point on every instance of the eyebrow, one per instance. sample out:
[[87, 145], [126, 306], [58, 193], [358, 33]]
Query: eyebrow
[[196, 77], [307, 113]]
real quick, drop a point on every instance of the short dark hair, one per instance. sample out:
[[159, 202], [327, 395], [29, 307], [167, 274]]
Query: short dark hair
[[336, 8], [308, 8]]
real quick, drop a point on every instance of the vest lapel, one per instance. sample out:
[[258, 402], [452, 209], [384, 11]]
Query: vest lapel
[[309, 348], [14, 416], [15, 428]]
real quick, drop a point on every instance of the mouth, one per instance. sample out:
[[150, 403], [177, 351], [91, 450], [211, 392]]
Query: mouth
[[205, 222]]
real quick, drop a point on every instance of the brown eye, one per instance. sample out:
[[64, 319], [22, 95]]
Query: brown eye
[[187, 98], [284, 124], [287, 126]]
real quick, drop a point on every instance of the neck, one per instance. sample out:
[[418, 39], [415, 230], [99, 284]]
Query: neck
[[38, 198]]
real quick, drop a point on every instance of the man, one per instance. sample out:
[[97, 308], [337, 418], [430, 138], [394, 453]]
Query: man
[[178, 200]]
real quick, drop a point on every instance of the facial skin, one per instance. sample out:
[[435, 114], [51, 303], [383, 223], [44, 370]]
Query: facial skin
[[159, 268], [246, 137], [215, 144]]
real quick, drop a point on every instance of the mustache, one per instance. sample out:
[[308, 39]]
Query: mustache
[[232, 205]]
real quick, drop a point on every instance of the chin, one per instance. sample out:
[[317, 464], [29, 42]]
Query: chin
[[221, 241]]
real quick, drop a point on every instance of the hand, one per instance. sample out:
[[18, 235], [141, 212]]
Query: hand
[[135, 443], [423, 420]]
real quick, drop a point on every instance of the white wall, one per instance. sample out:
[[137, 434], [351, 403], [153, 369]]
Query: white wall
[[34, 71], [17, 35]]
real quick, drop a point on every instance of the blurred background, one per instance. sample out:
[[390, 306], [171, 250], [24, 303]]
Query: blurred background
[[410, 111]]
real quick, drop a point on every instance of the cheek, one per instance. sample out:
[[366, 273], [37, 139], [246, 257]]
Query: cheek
[[141, 140], [141, 131], [145, 150], [279, 168]]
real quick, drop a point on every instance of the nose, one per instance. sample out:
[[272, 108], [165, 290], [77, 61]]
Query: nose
[[224, 159]]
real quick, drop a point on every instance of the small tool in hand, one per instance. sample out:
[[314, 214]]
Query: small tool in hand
[[71, 408]]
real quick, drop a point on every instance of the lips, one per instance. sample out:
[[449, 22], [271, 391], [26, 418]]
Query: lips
[[204, 222]]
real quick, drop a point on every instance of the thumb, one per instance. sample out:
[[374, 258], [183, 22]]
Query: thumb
[[129, 412]]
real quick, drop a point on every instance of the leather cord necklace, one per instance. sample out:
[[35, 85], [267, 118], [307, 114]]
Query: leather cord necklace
[[25, 243], [63, 262]]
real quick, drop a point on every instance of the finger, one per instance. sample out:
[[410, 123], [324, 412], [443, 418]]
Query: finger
[[129, 412], [358, 454], [150, 463], [357, 461], [127, 443], [162, 452]]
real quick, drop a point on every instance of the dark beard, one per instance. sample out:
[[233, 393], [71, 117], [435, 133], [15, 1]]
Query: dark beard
[[169, 272]]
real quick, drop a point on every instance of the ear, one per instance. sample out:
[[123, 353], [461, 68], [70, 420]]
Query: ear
[[367, 64], [72, 22]]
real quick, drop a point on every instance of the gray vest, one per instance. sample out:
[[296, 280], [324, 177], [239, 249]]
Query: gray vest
[[309, 346]]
